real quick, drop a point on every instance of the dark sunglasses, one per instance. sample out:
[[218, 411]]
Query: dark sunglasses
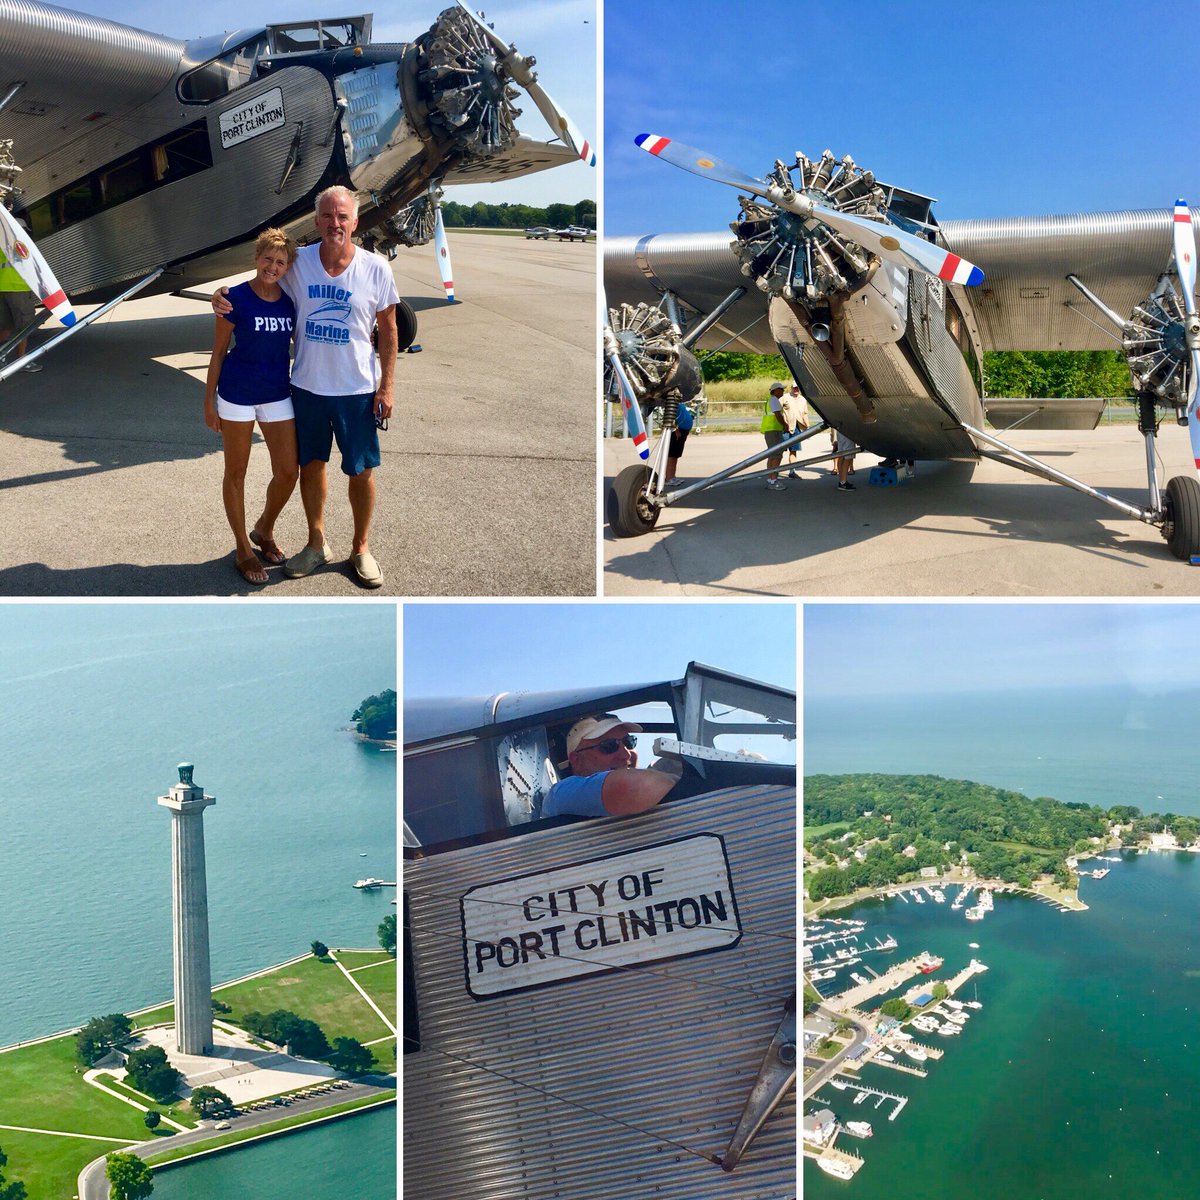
[[381, 423], [611, 745]]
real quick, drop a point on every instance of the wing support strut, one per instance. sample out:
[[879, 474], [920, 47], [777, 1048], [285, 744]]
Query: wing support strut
[[13, 367], [1002, 452]]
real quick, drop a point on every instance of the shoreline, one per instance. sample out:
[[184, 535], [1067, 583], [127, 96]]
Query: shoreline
[[1069, 902]]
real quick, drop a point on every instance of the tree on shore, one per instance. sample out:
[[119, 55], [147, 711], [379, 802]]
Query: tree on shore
[[150, 1073], [131, 1179], [940, 990], [375, 717], [10, 1189], [152, 1119], [210, 1101], [100, 1035], [351, 1056], [896, 1007], [285, 1028], [320, 950], [387, 933]]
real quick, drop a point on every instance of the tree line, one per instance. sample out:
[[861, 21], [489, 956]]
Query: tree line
[[943, 822], [518, 216]]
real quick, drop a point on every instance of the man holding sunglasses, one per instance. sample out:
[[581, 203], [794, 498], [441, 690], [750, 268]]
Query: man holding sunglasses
[[606, 781]]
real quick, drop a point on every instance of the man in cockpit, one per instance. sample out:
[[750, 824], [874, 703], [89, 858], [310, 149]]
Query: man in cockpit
[[605, 779]]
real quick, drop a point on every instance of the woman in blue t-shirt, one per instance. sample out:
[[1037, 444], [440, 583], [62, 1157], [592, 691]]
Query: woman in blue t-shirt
[[249, 383]]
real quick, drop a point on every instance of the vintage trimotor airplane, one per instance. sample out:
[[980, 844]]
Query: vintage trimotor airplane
[[142, 163], [882, 317], [601, 1008]]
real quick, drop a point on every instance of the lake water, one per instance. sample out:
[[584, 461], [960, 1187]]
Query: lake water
[[100, 704], [1078, 1076], [1097, 746]]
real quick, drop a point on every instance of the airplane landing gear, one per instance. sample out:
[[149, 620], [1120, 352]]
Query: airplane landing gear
[[1181, 512], [627, 505]]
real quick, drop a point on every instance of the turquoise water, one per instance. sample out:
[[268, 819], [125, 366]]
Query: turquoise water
[[361, 1150], [1106, 746], [1078, 1076], [100, 703]]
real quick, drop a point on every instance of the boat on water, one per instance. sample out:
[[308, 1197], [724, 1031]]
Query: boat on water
[[973, 945], [975, 914], [927, 963], [368, 885], [861, 1097], [884, 1056], [973, 1003], [959, 1018], [889, 944], [838, 1168], [955, 1005], [902, 1036], [949, 1030], [859, 978], [916, 1053], [822, 975], [859, 1129], [840, 1084], [918, 898]]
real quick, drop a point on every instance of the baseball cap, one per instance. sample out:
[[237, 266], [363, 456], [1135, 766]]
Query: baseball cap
[[587, 729], [778, 385]]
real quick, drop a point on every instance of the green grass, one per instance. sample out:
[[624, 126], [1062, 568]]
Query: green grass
[[812, 832], [177, 1109], [242, 1135], [457, 229], [39, 1087], [163, 1015], [379, 983], [313, 989]]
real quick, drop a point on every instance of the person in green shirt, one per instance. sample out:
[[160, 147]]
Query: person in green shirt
[[774, 429], [17, 307]]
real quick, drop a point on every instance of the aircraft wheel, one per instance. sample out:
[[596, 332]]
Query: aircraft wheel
[[629, 511], [1181, 504], [406, 326]]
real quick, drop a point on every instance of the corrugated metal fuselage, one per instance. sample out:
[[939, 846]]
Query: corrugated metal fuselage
[[911, 341], [507, 1096]]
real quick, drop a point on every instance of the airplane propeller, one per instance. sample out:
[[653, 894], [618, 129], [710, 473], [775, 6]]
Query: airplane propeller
[[889, 242], [442, 246], [521, 69], [635, 425], [1185, 266], [19, 249]]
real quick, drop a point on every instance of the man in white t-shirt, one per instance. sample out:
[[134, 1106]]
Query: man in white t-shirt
[[339, 388]]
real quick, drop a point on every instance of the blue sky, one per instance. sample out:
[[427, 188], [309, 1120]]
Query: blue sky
[[995, 110], [939, 648], [560, 34], [482, 649]]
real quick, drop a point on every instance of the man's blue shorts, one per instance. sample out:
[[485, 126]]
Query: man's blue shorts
[[349, 419]]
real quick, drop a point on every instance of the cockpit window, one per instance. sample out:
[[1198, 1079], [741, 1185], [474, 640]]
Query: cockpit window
[[233, 69], [305, 37], [741, 718]]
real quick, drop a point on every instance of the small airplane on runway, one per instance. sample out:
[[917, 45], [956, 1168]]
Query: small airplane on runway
[[150, 164], [882, 317]]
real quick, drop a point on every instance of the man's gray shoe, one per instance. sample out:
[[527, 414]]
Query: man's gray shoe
[[307, 561], [367, 570]]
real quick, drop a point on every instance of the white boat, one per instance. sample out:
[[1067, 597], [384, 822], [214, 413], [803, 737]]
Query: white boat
[[975, 914], [916, 1053], [368, 885], [949, 1030], [836, 1167], [861, 1097], [959, 1018], [861, 1129], [973, 1003], [840, 1084], [973, 945], [902, 1036], [884, 1056], [956, 1005], [918, 898], [859, 978]]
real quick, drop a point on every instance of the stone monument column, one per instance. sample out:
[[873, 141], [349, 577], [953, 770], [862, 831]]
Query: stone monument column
[[189, 908]]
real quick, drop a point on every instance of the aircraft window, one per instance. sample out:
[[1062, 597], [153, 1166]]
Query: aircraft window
[[181, 153], [957, 329], [741, 717], [452, 793], [123, 181], [321, 35], [215, 79]]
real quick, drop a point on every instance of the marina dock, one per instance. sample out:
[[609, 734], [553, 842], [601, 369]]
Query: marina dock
[[892, 978]]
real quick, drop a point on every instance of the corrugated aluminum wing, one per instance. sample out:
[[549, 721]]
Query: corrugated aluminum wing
[[1026, 303], [74, 65], [672, 1047]]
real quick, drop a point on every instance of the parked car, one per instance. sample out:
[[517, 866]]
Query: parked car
[[539, 231]]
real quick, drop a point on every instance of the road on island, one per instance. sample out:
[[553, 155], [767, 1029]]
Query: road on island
[[93, 1183]]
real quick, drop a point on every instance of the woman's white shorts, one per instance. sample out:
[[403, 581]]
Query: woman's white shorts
[[277, 410]]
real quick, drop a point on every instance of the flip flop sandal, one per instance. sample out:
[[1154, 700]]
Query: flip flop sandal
[[250, 569], [270, 549]]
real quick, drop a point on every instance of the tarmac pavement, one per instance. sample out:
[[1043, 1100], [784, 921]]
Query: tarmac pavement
[[110, 482], [952, 530]]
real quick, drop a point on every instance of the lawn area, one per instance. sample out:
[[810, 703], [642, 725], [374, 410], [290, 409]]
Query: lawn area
[[812, 832], [378, 981], [163, 1015], [313, 989], [178, 1110], [242, 1135], [39, 1087]]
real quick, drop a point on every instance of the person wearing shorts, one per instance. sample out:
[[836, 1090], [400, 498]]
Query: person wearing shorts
[[250, 383]]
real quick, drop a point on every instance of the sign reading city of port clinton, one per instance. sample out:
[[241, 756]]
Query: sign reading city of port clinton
[[669, 900]]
